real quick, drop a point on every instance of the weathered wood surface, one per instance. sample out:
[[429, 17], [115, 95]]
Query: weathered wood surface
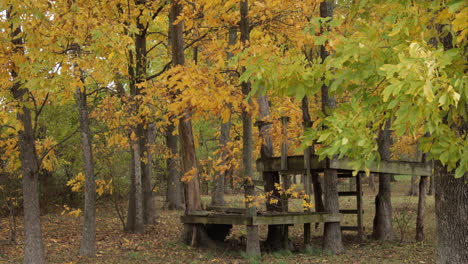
[[295, 164], [229, 210], [205, 217], [360, 210]]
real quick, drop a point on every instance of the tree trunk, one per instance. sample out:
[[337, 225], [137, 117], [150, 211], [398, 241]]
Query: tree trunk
[[332, 241], [431, 189], [194, 234], [131, 212], [149, 209], [372, 182], [217, 198], [277, 234], [421, 209], [414, 190], [137, 70], [33, 245], [253, 243], [174, 197], [139, 218], [88, 241], [317, 187], [332, 231], [451, 196], [383, 227]]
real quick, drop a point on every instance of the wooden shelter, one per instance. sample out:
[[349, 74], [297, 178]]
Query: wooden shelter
[[218, 221], [286, 165]]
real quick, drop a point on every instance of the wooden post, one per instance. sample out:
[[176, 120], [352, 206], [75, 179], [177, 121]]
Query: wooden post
[[284, 145], [359, 206], [286, 177], [307, 188]]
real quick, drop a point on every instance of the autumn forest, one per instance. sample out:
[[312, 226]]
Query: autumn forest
[[233, 131]]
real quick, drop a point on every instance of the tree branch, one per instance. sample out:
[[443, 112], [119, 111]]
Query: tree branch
[[56, 145], [165, 68]]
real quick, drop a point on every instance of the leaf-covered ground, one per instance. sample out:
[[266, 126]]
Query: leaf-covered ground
[[161, 243]]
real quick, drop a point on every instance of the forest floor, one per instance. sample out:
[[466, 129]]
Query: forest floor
[[161, 241]]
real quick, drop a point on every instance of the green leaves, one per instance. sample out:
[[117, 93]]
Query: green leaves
[[386, 68], [284, 75]]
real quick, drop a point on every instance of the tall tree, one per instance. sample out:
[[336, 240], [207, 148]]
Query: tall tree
[[33, 245], [217, 198], [193, 234], [332, 231], [174, 190], [253, 243], [174, 193], [451, 193], [88, 240], [142, 134]]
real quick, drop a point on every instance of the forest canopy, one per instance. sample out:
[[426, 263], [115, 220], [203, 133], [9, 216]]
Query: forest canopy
[[124, 101]]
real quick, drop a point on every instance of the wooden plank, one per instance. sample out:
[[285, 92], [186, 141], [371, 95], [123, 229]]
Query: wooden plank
[[349, 228], [229, 210], [217, 219], [392, 167], [267, 219], [347, 193], [348, 211], [299, 218], [295, 164], [199, 213]]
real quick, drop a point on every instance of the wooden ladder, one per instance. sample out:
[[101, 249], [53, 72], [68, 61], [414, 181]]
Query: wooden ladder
[[359, 211]]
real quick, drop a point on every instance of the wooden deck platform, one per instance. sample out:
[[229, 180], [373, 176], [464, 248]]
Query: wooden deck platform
[[263, 218], [295, 165]]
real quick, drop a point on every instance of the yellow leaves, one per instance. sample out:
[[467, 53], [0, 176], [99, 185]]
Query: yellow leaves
[[225, 115], [395, 31], [444, 15], [102, 186], [78, 182], [458, 18], [133, 136], [71, 211], [46, 147], [75, 213], [190, 175], [273, 201], [427, 89], [278, 187], [117, 140], [460, 24], [201, 93], [307, 205]]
